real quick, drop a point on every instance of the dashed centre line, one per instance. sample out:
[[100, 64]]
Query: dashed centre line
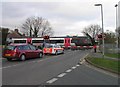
[[69, 70], [73, 67], [77, 65], [52, 80], [61, 75]]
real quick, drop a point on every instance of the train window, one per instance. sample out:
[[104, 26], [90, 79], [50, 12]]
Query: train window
[[81, 41], [60, 41], [19, 41], [56, 41], [74, 41], [37, 41], [47, 40], [53, 41]]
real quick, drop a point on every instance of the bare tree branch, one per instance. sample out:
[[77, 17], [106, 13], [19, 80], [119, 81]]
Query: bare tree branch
[[92, 30], [37, 26]]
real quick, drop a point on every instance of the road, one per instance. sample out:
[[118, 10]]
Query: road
[[54, 70]]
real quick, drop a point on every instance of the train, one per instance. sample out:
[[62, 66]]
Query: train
[[73, 42]]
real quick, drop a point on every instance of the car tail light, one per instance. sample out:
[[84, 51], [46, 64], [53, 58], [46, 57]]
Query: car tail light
[[14, 52], [44, 50], [50, 50]]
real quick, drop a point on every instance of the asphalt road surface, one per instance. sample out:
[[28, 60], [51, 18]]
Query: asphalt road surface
[[54, 70]]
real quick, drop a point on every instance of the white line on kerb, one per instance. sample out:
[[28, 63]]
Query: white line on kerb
[[52, 80], [69, 70], [61, 75], [73, 67]]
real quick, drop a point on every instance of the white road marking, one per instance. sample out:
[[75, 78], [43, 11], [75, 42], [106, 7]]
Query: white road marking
[[52, 80], [34, 61], [61, 75], [77, 65], [14, 65], [20, 64], [39, 61], [9, 66], [81, 62], [5, 67], [69, 70], [2, 58], [73, 67]]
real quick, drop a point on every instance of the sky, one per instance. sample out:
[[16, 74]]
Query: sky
[[67, 17]]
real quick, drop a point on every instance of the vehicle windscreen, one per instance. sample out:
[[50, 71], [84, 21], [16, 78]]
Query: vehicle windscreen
[[48, 46], [10, 47]]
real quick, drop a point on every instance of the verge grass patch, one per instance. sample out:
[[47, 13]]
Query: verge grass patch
[[111, 65]]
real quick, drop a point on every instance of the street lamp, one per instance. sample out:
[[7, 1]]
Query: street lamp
[[102, 28], [117, 27]]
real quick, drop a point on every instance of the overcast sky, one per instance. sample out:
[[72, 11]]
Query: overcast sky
[[67, 17]]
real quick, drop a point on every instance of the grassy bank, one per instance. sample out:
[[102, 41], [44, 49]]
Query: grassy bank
[[114, 55], [111, 65]]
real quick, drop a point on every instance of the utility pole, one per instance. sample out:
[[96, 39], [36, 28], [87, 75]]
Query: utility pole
[[102, 28]]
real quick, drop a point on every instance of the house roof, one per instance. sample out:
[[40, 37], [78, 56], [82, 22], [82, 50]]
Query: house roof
[[13, 35]]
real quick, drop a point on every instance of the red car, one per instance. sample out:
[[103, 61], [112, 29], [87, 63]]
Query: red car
[[21, 52]]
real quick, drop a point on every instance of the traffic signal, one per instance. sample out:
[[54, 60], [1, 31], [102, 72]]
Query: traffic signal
[[46, 37]]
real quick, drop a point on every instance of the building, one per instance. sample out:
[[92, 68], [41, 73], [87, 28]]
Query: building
[[14, 34]]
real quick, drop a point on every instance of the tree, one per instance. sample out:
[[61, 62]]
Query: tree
[[110, 37], [46, 29], [92, 39], [93, 30], [118, 36], [37, 26]]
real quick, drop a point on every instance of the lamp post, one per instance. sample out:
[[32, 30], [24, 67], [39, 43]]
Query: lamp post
[[117, 27], [102, 29]]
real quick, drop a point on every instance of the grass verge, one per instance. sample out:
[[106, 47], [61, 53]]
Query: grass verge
[[110, 65], [113, 55]]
